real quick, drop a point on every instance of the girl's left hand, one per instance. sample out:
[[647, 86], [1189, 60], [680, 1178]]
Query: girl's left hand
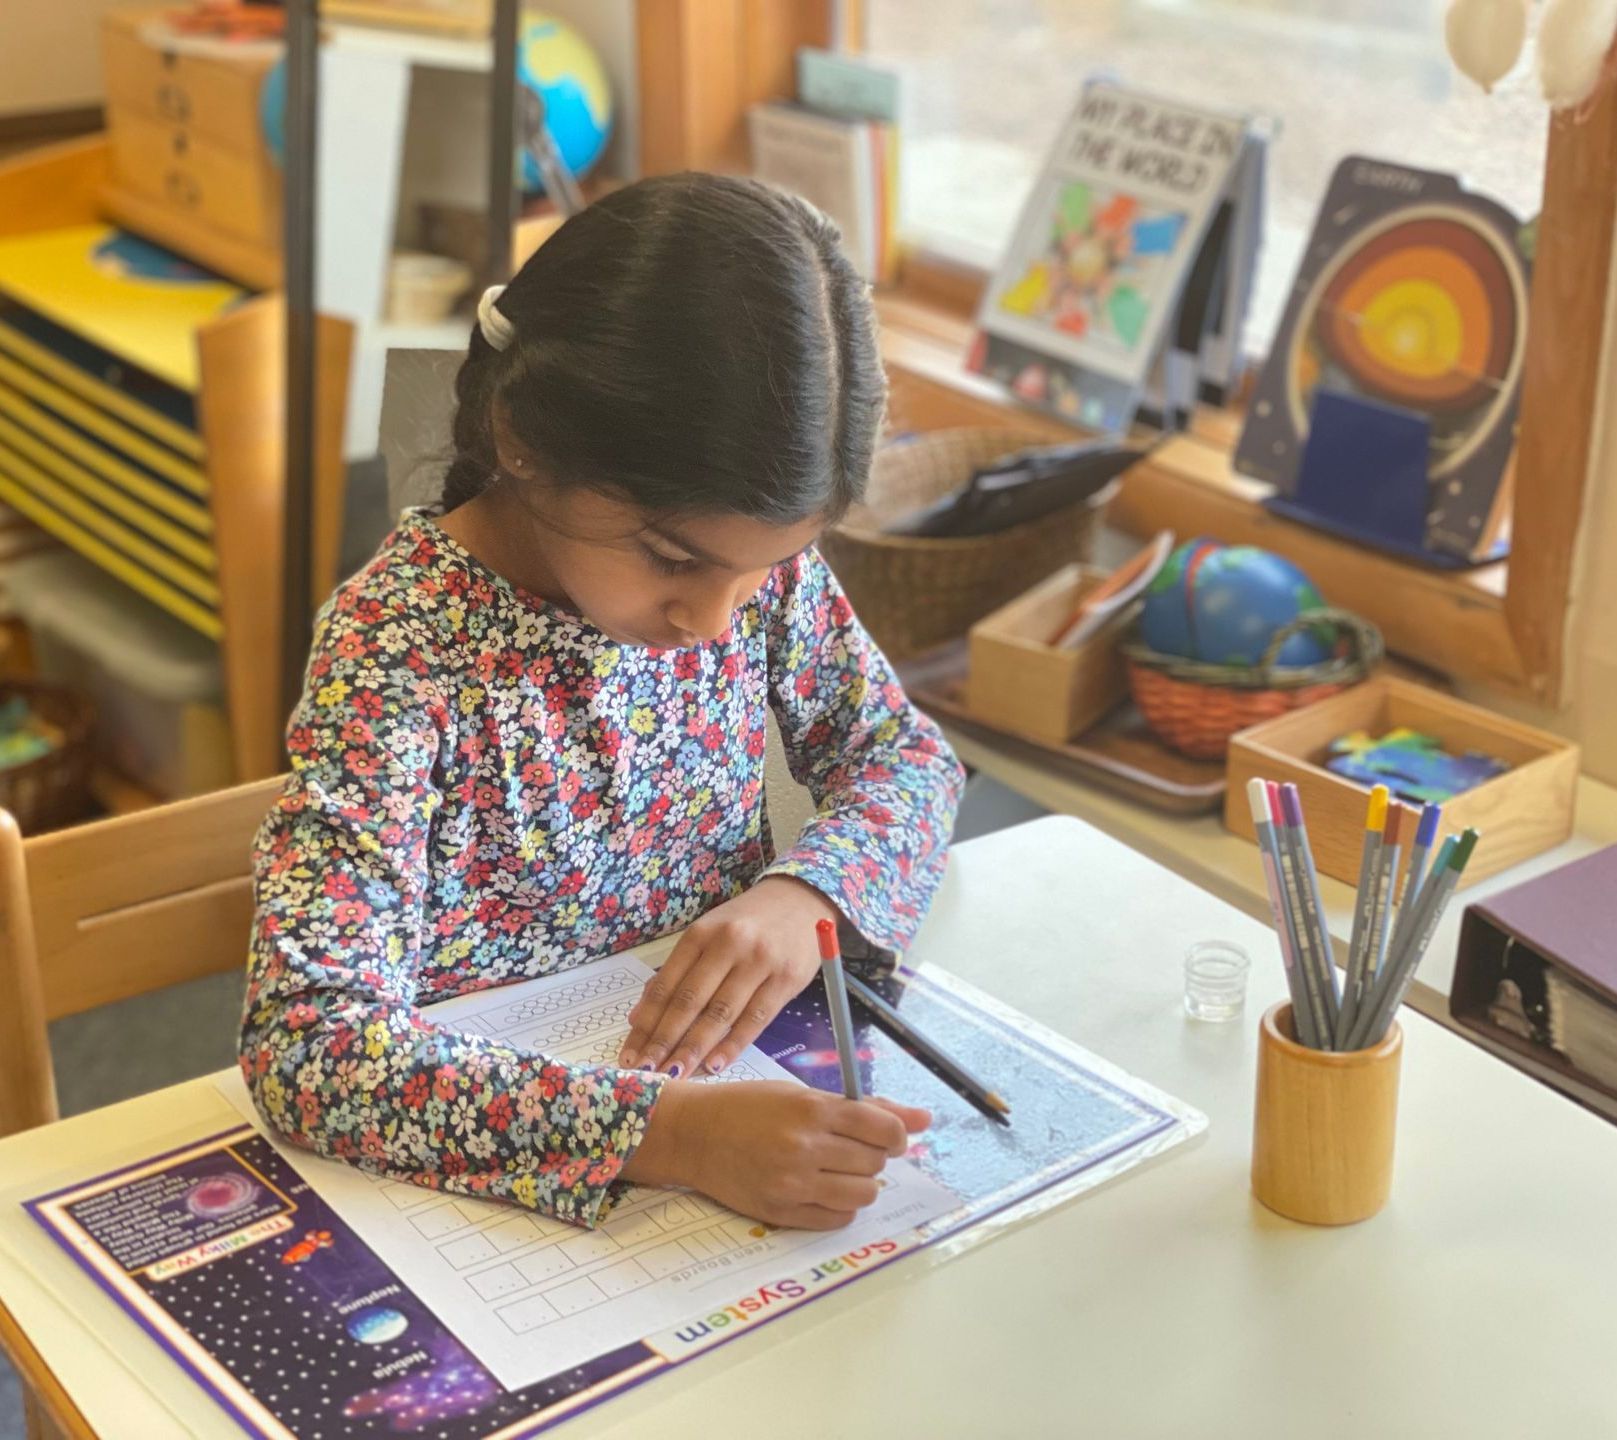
[[727, 978]]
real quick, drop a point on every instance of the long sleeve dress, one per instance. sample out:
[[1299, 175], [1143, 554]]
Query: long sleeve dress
[[485, 788]]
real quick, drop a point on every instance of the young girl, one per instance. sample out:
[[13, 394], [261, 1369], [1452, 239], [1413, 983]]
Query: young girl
[[533, 734]]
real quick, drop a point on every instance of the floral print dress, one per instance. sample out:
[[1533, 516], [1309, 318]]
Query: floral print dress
[[486, 788]]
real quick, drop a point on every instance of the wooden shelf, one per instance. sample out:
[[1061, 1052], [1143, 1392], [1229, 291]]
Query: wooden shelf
[[1521, 642], [239, 387], [1452, 621], [119, 796], [420, 42]]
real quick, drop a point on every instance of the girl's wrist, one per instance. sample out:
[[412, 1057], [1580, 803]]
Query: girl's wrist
[[670, 1152], [801, 894]]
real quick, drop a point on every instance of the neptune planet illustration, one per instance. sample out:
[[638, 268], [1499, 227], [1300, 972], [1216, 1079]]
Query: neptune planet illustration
[[377, 1325]]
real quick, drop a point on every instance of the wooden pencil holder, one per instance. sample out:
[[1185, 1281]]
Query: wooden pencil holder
[[1322, 1135]]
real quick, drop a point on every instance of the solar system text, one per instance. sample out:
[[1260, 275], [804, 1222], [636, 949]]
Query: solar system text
[[751, 1306]]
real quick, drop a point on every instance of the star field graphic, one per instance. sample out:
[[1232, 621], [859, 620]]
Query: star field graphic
[[308, 1320], [1064, 1117]]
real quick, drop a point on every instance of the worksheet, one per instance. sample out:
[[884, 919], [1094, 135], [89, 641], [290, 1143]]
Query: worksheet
[[530, 1296], [243, 1269]]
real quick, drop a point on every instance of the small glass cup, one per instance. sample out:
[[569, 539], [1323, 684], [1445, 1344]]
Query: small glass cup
[[1215, 980]]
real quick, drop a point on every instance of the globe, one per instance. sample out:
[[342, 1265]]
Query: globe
[[1165, 619], [272, 111], [555, 63], [1223, 604]]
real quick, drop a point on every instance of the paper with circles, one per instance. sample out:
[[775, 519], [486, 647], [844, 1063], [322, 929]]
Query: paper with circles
[[530, 1296]]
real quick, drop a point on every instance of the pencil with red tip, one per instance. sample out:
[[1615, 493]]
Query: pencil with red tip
[[836, 1001]]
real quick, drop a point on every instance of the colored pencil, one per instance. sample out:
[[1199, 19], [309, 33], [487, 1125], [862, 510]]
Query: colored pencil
[[1268, 848], [1384, 952], [1386, 886], [1430, 817], [836, 1001], [950, 1071], [1399, 971], [1310, 953], [1363, 912], [1313, 908]]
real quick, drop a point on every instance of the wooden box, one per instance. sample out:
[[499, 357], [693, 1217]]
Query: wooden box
[[190, 167], [212, 94], [236, 192], [1527, 810], [1020, 683]]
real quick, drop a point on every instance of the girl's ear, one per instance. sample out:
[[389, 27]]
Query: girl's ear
[[514, 457]]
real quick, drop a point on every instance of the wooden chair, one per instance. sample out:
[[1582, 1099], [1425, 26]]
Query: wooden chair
[[103, 912]]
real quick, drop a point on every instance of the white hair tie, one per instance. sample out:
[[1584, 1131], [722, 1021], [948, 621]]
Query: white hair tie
[[494, 322]]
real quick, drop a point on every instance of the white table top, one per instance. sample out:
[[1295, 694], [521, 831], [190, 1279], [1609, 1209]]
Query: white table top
[[1166, 1304], [1204, 852]]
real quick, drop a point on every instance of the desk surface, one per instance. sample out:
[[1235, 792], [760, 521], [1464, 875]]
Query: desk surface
[[1166, 1304]]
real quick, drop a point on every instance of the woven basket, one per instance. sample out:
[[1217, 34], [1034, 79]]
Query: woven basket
[[915, 592], [53, 789], [1196, 707]]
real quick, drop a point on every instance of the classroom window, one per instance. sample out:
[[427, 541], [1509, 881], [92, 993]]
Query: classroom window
[[989, 82]]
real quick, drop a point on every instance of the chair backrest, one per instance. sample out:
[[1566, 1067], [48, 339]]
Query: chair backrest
[[102, 912], [418, 405], [418, 395]]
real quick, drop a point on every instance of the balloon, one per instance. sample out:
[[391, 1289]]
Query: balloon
[[1573, 38], [1485, 37]]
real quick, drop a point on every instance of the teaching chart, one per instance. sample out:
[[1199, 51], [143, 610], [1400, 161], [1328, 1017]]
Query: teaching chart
[[313, 1302], [259, 1290], [528, 1295]]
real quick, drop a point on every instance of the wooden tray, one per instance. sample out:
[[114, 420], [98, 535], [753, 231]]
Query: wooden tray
[[1118, 754], [1525, 811]]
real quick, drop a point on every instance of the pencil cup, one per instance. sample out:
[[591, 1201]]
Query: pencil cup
[[1322, 1135]]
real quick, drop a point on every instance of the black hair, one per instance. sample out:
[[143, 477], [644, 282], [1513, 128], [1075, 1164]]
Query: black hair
[[691, 343]]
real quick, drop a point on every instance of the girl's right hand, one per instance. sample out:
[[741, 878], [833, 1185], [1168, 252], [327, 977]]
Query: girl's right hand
[[786, 1154]]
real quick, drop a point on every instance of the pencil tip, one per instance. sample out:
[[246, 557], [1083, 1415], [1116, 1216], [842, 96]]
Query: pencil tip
[[1378, 808], [1257, 796], [998, 1103], [1394, 824], [825, 932], [1462, 851], [1429, 820], [1272, 791]]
